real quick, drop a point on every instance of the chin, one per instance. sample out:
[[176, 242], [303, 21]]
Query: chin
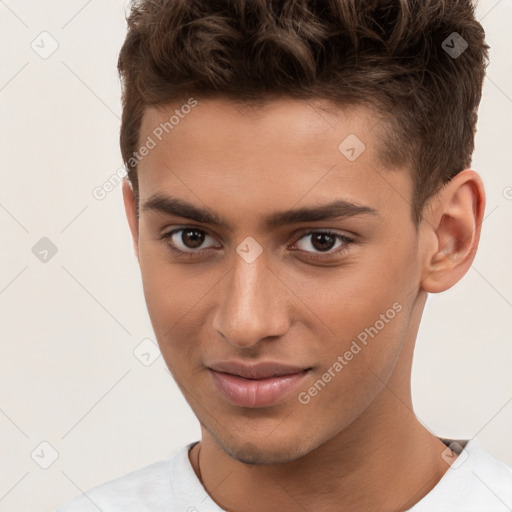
[[263, 452]]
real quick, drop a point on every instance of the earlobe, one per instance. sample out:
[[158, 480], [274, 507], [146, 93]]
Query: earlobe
[[131, 213], [453, 224]]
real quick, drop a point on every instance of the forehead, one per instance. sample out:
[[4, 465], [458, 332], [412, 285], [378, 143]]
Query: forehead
[[283, 152], [303, 126]]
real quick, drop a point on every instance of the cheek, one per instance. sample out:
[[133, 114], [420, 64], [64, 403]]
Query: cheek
[[358, 363], [169, 289], [362, 309], [347, 299], [177, 297], [170, 306]]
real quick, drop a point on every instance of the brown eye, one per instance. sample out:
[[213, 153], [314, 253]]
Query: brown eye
[[189, 240], [327, 242], [323, 241], [192, 238]]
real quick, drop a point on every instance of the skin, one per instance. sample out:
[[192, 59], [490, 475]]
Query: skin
[[357, 445]]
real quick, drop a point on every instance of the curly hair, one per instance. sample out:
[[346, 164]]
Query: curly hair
[[392, 55]]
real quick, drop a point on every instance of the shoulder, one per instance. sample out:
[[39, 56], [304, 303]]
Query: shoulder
[[145, 489], [476, 481], [494, 477]]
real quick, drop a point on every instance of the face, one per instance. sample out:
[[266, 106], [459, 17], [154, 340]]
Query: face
[[262, 240]]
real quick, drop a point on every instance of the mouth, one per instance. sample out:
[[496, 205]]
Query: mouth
[[271, 385]]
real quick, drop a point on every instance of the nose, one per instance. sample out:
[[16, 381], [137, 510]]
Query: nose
[[251, 305]]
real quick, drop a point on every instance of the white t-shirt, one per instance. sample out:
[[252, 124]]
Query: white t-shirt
[[476, 482]]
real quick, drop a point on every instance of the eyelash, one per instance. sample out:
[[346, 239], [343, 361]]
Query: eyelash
[[347, 243]]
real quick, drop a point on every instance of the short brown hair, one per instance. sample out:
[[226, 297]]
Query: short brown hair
[[393, 55]]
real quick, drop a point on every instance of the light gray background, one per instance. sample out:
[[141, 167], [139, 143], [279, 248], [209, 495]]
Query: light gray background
[[69, 326]]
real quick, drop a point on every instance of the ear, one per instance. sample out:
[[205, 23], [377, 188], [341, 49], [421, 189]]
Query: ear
[[131, 213], [452, 222]]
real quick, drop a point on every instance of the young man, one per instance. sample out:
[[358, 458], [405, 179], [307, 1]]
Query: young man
[[298, 183]]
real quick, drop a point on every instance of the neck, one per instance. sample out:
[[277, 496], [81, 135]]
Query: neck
[[377, 463]]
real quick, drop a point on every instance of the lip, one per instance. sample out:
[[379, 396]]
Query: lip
[[256, 371], [270, 384]]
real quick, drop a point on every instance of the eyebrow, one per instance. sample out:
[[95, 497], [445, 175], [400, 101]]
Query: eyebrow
[[333, 210]]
